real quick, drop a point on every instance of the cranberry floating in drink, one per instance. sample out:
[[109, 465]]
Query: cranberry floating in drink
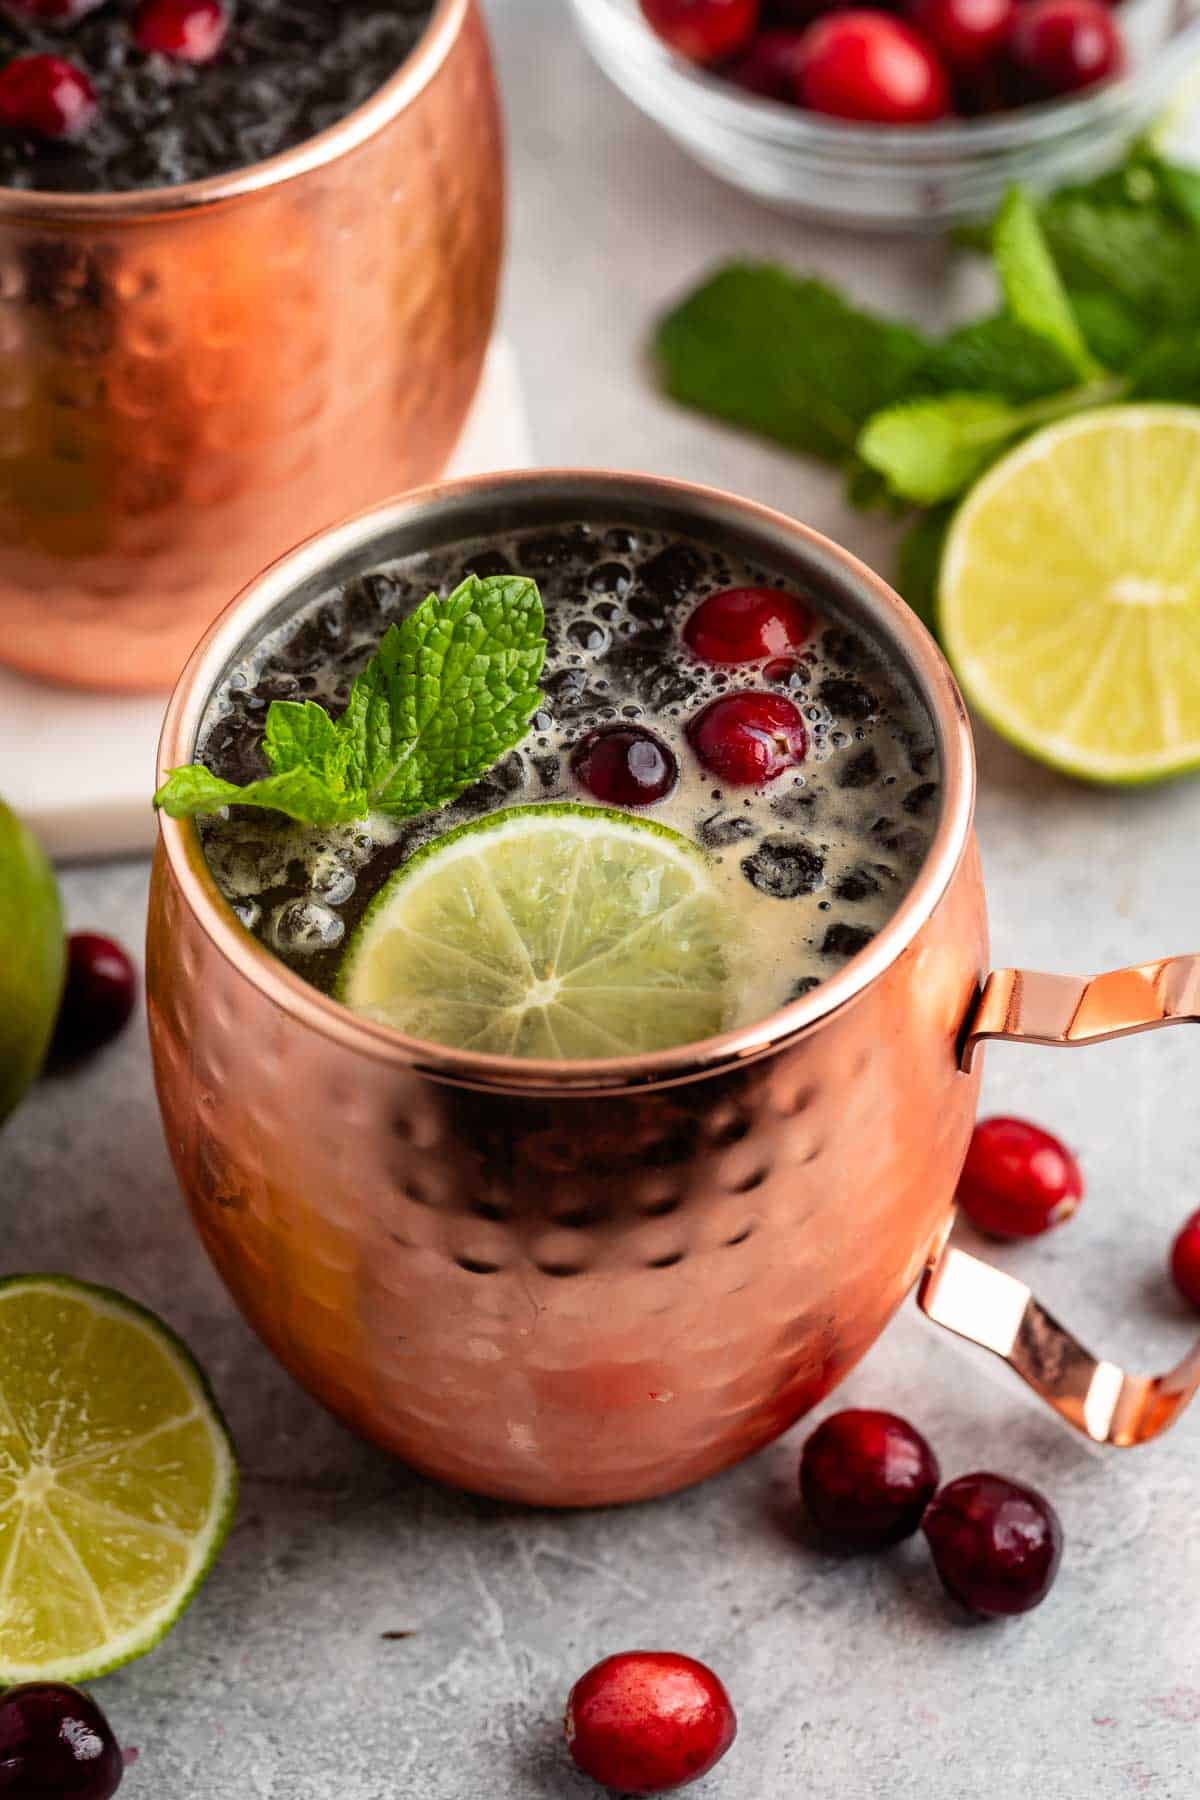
[[187, 30], [747, 624], [45, 97], [749, 739], [624, 766]]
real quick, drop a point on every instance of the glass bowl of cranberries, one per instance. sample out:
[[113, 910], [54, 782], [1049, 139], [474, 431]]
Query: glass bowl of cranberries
[[895, 114]]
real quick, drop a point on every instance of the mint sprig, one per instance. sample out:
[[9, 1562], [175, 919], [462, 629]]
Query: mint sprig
[[449, 691], [1100, 292]]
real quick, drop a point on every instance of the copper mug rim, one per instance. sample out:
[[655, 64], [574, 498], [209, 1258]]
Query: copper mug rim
[[356, 128], [597, 493]]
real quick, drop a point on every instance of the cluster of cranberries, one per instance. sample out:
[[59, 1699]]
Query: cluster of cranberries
[[904, 63], [745, 739], [52, 98], [56, 1744], [650, 1721]]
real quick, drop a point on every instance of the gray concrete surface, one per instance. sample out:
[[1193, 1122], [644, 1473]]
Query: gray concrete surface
[[853, 1680]]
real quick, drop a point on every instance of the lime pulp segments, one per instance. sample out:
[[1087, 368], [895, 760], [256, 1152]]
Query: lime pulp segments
[[553, 931], [117, 1479], [1070, 594]]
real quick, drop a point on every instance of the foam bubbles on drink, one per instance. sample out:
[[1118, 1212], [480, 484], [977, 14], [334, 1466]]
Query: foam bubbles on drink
[[302, 927], [810, 867]]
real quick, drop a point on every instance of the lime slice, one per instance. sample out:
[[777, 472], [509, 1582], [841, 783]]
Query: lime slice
[[117, 1480], [1070, 594], [551, 931], [32, 958]]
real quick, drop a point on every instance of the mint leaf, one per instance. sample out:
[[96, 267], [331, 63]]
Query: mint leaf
[[763, 349], [1114, 334], [299, 793], [930, 450], [997, 356], [450, 689], [1169, 369], [1033, 290], [919, 563], [1142, 258], [1180, 187]]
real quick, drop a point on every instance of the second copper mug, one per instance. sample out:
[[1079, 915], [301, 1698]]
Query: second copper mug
[[589, 1282], [194, 378]]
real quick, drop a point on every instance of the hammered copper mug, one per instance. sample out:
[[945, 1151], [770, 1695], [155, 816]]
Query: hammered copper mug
[[192, 379], [570, 1283]]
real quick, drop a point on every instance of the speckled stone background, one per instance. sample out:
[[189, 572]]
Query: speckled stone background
[[853, 1679]]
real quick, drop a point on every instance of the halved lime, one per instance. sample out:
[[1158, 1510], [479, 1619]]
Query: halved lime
[[117, 1479], [32, 958], [552, 931], [1070, 594]]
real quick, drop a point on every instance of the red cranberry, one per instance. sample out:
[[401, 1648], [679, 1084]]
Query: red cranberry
[[867, 65], [51, 12], [56, 1741], [187, 30], [648, 1721], [769, 67], [624, 766], [98, 997], [1185, 1260], [46, 96], [1060, 46], [707, 31], [867, 1477], [996, 1545], [748, 738], [1018, 1181], [746, 624], [968, 33]]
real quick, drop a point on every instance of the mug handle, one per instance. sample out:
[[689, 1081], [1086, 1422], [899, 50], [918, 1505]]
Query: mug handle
[[994, 1309]]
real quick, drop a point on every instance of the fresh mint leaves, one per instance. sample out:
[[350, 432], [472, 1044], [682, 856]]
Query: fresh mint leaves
[[1033, 293], [1100, 285], [784, 357], [930, 450], [450, 689]]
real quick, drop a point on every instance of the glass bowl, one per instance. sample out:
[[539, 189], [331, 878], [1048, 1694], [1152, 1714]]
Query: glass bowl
[[900, 178]]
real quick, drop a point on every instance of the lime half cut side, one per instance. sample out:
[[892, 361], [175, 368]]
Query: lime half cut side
[[117, 1480], [1070, 594], [551, 931]]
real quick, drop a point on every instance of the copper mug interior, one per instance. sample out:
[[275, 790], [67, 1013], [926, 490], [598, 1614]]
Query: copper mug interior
[[193, 379], [591, 1282]]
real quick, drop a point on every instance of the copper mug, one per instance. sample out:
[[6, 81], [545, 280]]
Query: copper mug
[[193, 379], [570, 1283]]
